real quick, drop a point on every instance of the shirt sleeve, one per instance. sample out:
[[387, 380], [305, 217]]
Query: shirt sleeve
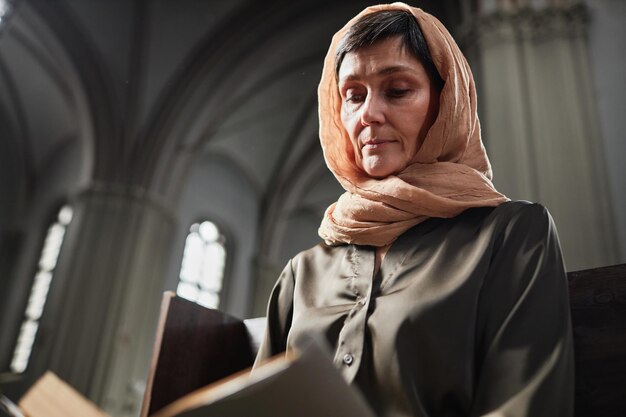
[[279, 314], [525, 363]]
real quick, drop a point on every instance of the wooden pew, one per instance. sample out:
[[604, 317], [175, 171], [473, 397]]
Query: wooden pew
[[196, 346], [598, 305]]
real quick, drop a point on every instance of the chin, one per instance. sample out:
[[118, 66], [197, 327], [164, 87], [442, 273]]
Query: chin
[[381, 166], [380, 172]]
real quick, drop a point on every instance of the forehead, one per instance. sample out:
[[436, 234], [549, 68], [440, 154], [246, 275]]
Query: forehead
[[384, 57]]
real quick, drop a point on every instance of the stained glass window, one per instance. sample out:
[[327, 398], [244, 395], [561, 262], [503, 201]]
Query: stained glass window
[[202, 269], [39, 290]]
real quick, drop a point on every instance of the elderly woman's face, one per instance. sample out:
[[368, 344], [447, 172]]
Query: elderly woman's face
[[388, 105]]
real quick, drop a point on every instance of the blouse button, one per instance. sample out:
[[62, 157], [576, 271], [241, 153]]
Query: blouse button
[[348, 359]]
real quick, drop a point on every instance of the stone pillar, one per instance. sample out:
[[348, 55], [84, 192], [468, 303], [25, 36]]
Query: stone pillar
[[540, 123], [106, 294]]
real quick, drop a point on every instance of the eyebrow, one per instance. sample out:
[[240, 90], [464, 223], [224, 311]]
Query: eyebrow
[[383, 71]]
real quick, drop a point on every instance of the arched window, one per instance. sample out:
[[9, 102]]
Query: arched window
[[202, 269], [6, 7], [39, 290]]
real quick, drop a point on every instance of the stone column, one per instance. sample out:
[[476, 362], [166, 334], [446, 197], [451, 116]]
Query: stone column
[[106, 294], [540, 123]]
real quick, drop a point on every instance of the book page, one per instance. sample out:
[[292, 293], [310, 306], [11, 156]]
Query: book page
[[51, 397]]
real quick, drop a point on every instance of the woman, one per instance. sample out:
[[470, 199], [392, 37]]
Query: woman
[[438, 296]]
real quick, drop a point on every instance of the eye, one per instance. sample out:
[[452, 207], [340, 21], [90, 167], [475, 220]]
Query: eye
[[353, 96], [396, 92]]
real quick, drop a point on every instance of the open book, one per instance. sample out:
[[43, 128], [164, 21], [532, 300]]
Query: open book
[[303, 384], [52, 397]]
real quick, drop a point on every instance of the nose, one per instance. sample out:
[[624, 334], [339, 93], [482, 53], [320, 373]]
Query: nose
[[372, 111]]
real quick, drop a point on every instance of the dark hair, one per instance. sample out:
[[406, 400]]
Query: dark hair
[[386, 24]]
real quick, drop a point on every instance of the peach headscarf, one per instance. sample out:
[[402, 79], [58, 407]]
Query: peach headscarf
[[449, 173]]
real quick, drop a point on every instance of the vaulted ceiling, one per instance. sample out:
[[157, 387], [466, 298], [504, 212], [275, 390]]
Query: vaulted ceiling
[[130, 93]]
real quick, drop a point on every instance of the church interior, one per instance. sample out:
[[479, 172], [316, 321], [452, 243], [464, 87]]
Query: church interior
[[154, 145]]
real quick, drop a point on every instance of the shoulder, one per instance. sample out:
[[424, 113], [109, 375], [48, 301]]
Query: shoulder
[[503, 220], [521, 208], [523, 216], [523, 231], [513, 225], [509, 215]]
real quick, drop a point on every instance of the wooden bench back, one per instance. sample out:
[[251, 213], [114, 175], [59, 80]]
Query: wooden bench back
[[598, 305], [196, 346]]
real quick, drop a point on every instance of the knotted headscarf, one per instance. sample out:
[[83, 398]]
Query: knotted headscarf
[[449, 173]]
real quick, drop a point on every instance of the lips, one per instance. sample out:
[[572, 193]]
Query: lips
[[375, 143]]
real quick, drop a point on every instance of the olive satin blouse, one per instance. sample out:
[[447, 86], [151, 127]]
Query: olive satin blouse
[[468, 316]]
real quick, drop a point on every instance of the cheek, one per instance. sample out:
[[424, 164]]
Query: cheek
[[349, 125], [352, 146], [344, 120], [347, 120]]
